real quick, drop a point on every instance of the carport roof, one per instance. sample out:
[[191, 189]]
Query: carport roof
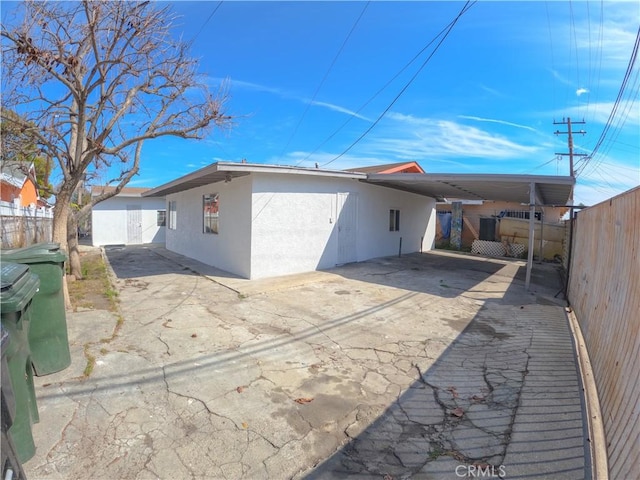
[[550, 190]]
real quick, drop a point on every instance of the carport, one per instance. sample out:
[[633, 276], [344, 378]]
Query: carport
[[532, 190]]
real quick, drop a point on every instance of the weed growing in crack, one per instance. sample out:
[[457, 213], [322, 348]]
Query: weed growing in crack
[[436, 452], [91, 361]]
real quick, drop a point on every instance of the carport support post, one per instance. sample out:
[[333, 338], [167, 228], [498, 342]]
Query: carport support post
[[456, 226], [541, 249], [532, 216]]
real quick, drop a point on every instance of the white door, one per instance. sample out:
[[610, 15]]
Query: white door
[[347, 206], [134, 224]]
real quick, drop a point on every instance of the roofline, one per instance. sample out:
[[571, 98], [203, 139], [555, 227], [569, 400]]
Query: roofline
[[95, 191], [451, 177], [247, 168], [262, 168]]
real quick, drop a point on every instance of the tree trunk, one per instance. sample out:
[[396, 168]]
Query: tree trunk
[[72, 244], [60, 217]]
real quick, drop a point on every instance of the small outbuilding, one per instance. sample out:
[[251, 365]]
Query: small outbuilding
[[127, 218], [259, 221]]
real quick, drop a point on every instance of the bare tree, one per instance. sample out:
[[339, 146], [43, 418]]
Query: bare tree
[[93, 81]]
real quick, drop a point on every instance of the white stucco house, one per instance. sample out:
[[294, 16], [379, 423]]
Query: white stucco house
[[127, 218], [259, 221]]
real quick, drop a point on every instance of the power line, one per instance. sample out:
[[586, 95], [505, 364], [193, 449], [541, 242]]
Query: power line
[[599, 56], [554, 159], [315, 94], [375, 95], [205, 22], [464, 10], [590, 55], [553, 66], [614, 109], [575, 41]]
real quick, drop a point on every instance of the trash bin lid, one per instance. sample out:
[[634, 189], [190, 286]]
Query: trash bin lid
[[37, 253], [17, 286]]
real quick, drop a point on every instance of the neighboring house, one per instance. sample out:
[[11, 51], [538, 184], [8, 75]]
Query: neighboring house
[[483, 220], [127, 218], [259, 221], [25, 217], [18, 183], [402, 167]]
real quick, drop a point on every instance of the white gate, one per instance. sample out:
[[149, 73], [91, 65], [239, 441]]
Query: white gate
[[347, 206], [134, 224]]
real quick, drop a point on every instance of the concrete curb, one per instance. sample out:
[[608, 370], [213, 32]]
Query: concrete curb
[[597, 439]]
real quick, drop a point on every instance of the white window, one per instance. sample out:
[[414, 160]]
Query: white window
[[394, 220], [173, 214], [210, 206]]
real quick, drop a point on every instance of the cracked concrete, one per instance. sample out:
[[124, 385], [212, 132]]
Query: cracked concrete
[[394, 368]]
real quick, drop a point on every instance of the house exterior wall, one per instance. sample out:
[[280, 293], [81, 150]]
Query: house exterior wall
[[473, 213], [295, 222], [28, 194], [109, 220], [230, 248]]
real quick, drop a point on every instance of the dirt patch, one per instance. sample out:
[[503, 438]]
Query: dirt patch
[[94, 291]]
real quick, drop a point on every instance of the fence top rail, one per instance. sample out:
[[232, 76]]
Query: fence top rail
[[10, 209]]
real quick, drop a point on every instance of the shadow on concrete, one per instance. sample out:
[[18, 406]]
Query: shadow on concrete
[[504, 396], [449, 275], [125, 261], [504, 400]]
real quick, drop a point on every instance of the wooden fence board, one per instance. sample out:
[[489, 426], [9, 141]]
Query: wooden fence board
[[604, 291]]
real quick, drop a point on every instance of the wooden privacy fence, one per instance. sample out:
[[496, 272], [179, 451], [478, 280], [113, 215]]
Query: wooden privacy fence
[[24, 226], [604, 291]]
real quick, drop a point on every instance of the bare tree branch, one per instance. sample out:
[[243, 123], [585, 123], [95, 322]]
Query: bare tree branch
[[95, 80]]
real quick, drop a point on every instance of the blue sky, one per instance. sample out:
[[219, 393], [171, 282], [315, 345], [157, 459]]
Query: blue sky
[[484, 103]]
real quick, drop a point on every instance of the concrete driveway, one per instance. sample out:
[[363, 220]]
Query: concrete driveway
[[426, 366]]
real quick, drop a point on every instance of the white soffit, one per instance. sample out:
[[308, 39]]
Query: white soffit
[[550, 190]]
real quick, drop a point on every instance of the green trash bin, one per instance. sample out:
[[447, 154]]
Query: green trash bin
[[48, 337], [18, 287]]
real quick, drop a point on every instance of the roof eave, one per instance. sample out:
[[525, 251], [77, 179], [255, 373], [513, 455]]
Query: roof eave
[[226, 171]]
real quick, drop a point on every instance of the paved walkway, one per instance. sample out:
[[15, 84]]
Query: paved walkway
[[434, 366], [503, 399]]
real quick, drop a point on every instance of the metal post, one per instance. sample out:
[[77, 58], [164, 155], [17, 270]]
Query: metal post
[[541, 254], [532, 214]]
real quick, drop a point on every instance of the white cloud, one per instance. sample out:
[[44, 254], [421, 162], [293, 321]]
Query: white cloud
[[338, 108], [561, 78], [502, 122], [409, 137], [291, 96], [492, 91], [616, 41], [582, 91]]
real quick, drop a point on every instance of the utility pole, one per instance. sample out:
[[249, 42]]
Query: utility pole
[[569, 132]]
